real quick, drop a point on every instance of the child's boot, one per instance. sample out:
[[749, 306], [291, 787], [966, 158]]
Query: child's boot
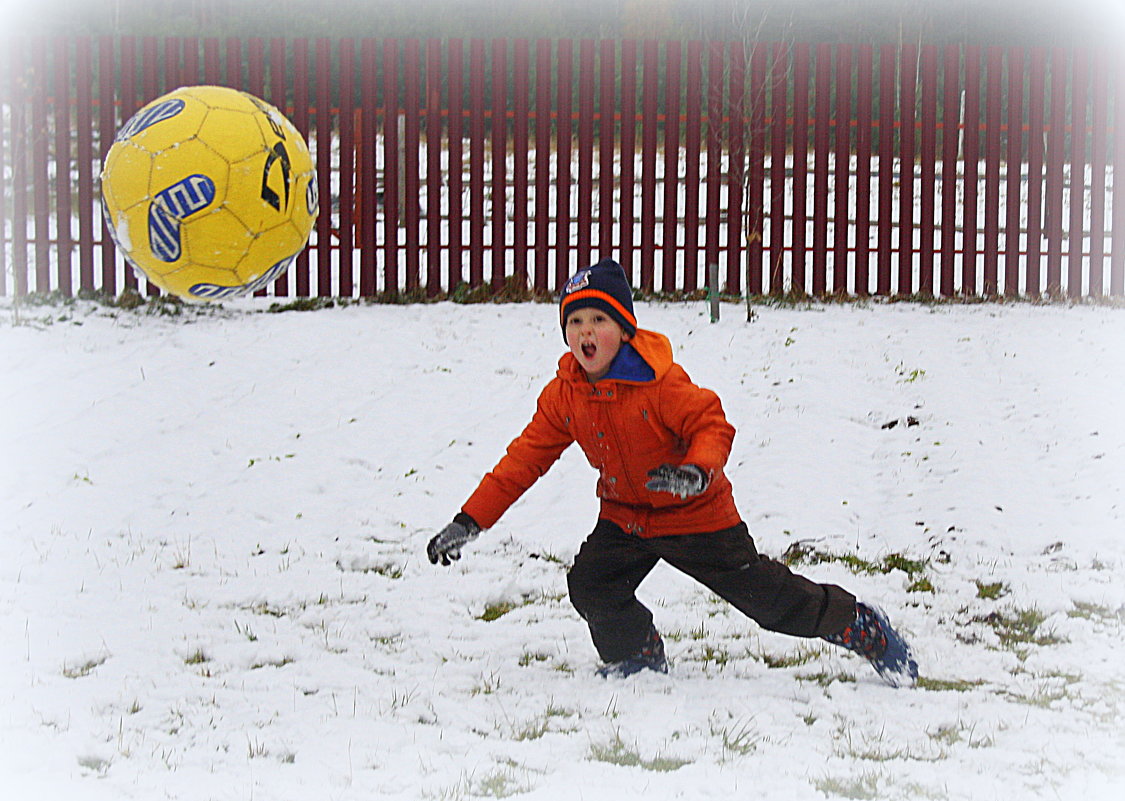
[[872, 637], [650, 657]]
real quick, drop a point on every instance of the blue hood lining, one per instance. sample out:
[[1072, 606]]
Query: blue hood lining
[[628, 365]]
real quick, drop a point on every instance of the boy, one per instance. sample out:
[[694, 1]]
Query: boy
[[659, 443]]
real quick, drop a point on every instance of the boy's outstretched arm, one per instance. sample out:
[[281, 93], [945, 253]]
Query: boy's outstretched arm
[[446, 544], [528, 457]]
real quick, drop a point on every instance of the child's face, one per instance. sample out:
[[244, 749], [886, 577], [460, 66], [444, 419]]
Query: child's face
[[594, 338]]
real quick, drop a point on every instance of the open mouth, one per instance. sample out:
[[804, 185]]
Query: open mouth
[[589, 349]]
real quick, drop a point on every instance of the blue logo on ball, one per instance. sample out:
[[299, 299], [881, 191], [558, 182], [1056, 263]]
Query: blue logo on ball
[[170, 208], [147, 117]]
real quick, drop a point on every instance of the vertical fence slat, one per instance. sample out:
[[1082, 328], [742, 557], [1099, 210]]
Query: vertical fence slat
[[672, 66], [233, 68], [908, 77], [1013, 206], [83, 120], [950, 139], [476, 162], [391, 167], [971, 160], [887, 67], [1078, 92], [323, 144], [586, 92], [255, 67], [736, 133], [300, 118], [754, 125], [172, 80], [842, 176], [693, 106], [543, 70], [821, 148], [627, 214], [150, 90], [190, 73], [499, 147], [366, 174], [17, 59], [63, 213], [277, 96], [6, 100], [345, 126], [927, 177], [172, 77], [863, 146], [130, 101], [1097, 160], [1056, 142], [1117, 199], [433, 167], [1034, 204], [607, 105], [410, 147], [779, 111], [565, 108], [521, 69], [800, 165], [211, 62], [412, 135], [106, 128], [992, 170], [712, 220], [456, 85], [651, 58]]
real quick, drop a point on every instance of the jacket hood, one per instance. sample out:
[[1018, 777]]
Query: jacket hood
[[645, 358]]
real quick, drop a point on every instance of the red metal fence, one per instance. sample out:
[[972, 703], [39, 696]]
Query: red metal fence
[[817, 168]]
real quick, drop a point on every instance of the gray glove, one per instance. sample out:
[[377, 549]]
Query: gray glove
[[683, 481], [447, 543]]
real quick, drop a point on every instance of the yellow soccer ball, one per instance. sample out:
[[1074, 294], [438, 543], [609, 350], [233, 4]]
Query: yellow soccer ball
[[209, 192]]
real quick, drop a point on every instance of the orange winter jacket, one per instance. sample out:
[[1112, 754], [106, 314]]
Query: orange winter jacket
[[645, 412]]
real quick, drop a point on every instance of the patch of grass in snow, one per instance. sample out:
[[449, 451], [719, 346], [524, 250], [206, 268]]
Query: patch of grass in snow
[[616, 752], [1097, 612], [541, 724], [802, 553], [825, 679], [197, 657], [95, 764], [881, 748], [1017, 627], [85, 667], [279, 662], [496, 610], [500, 783], [922, 584], [947, 685], [530, 657], [739, 737], [795, 658], [991, 591], [488, 685], [866, 785], [952, 734]]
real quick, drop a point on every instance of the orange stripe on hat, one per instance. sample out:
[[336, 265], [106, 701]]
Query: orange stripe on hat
[[600, 295]]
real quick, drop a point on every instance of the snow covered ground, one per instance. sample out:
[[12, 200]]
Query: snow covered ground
[[213, 584]]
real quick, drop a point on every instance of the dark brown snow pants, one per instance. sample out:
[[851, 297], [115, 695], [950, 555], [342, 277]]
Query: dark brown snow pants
[[611, 565]]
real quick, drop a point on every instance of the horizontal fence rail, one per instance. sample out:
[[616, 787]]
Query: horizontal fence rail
[[448, 166]]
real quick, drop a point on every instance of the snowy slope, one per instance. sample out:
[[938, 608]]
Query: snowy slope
[[213, 582]]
